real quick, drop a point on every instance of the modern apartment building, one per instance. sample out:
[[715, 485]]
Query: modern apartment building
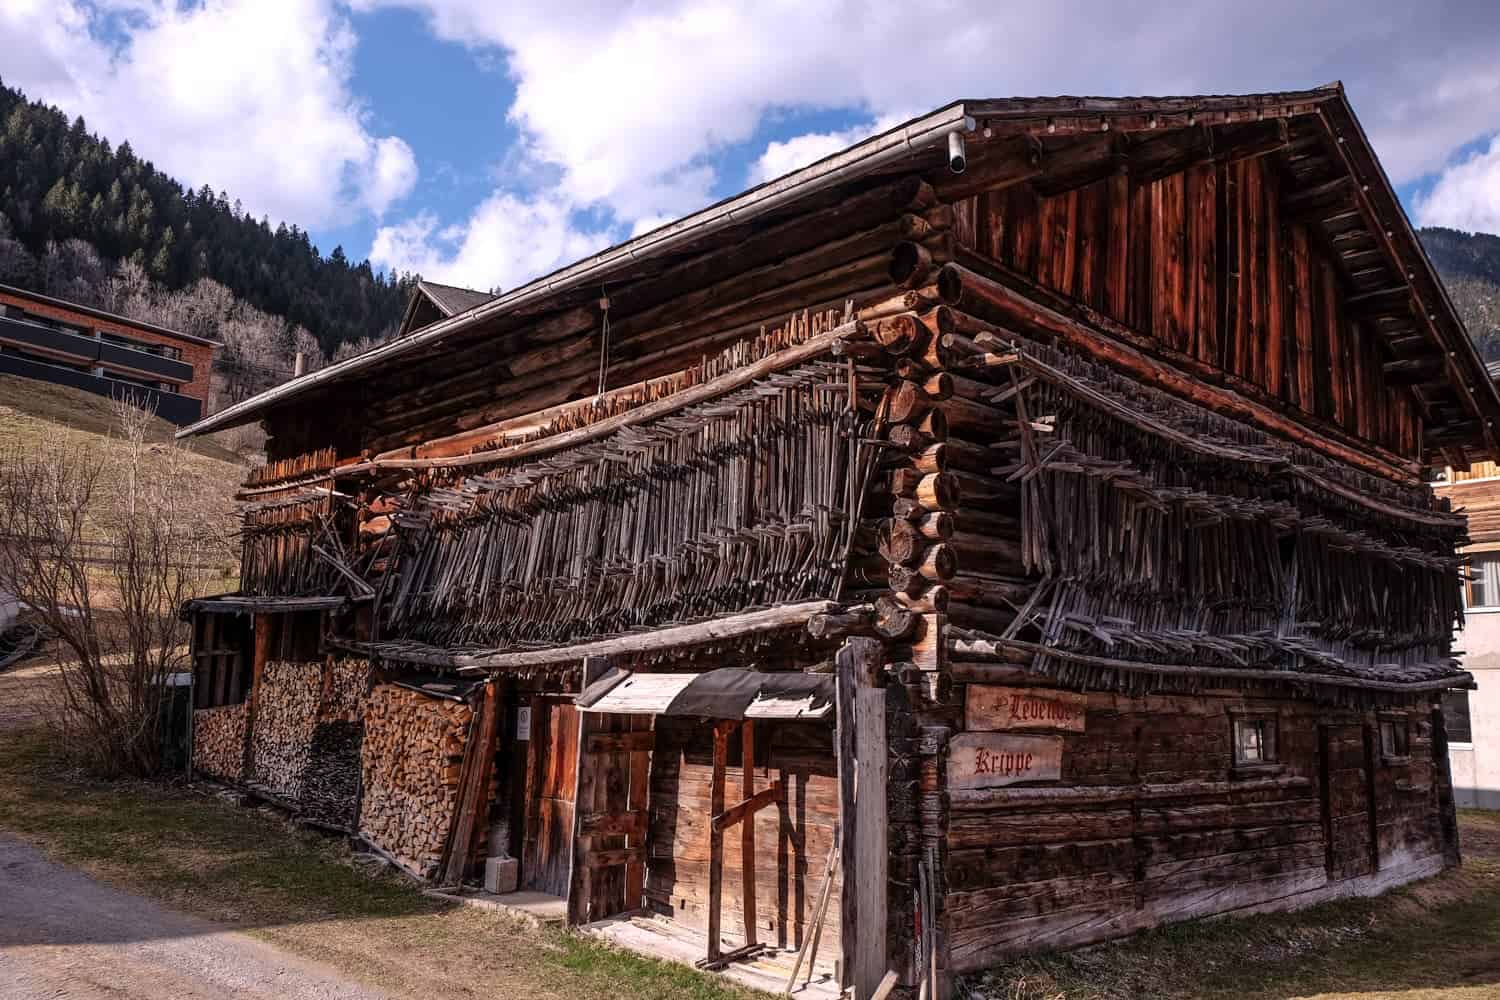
[[69, 344]]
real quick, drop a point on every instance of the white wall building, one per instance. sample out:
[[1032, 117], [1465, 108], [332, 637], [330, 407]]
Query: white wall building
[[1473, 717]]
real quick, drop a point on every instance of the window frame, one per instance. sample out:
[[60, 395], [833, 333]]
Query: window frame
[[1471, 554], [1270, 741], [1396, 723]]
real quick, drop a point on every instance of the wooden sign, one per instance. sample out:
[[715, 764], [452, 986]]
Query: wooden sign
[[993, 760], [990, 708]]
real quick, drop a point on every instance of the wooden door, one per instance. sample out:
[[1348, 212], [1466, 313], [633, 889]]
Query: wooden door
[[548, 851], [1343, 759]]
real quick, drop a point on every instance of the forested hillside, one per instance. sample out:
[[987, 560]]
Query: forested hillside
[[1470, 266], [59, 182]]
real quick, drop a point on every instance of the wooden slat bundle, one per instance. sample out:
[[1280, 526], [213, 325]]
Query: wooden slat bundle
[[734, 503], [412, 756]]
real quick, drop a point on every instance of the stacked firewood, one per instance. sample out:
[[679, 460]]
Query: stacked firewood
[[412, 760], [344, 691], [286, 713], [219, 741]]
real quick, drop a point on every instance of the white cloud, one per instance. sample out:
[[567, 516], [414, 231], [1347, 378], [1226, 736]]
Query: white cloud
[[507, 240], [783, 156], [390, 174], [249, 96], [1466, 194]]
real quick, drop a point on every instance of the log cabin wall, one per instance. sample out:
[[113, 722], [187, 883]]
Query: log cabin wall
[[1209, 263], [792, 840], [1149, 820]]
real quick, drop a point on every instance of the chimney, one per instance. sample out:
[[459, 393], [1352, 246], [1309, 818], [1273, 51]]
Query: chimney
[[299, 365]]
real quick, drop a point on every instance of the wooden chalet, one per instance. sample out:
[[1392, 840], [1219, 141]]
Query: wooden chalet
[[1008, 533]]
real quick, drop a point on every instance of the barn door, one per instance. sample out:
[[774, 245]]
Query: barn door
[[548, 850], [609, 860]]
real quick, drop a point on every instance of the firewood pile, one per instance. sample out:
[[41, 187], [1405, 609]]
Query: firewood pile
[[286, 713], [219, 741], [344, 691], [412, 759]]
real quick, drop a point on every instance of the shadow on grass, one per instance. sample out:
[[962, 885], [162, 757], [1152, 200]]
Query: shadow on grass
[[225, 867]]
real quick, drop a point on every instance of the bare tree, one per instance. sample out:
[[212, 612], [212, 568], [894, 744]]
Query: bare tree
[[117, 623]]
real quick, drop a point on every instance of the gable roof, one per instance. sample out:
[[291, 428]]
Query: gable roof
[[1347, 193], [431, 302]]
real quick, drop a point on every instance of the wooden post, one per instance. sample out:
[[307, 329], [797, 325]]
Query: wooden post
[[862, 815], [1447, 811], [579, 882], [747, 826], [716, 838], [263, 629]]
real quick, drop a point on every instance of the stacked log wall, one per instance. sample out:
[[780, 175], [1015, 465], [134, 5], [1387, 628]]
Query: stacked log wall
[[792, 840], [1150, 822], [659, 324], [1207, 263], [411, 762], [219, 741]]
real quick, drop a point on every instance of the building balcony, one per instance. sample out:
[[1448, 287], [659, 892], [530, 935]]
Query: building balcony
[[171, 406], [75, 348]]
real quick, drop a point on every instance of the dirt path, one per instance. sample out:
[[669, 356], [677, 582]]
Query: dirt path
[[64, 935]]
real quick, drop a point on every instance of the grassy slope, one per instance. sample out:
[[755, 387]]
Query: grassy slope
[[37, 416]]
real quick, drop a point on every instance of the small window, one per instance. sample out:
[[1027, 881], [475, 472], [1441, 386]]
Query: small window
[[1483, 589], [1394, 745], [1456, 717], [1254, 742]]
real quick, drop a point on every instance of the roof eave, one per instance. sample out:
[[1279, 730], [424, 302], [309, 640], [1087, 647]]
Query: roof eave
[[902, 141]]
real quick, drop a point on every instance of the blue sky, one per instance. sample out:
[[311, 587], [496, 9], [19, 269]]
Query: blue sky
[[485, 143]]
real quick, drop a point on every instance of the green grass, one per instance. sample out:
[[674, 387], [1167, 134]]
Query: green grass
[[250, 869]]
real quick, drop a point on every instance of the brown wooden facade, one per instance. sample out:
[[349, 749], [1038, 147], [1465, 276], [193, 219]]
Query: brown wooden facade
[[1078, 446]]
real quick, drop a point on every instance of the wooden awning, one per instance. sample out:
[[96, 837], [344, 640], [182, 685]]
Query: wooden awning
[[249, 604], [729, 693]]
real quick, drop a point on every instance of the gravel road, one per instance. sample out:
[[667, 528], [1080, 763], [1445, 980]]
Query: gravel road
[[64, 936]]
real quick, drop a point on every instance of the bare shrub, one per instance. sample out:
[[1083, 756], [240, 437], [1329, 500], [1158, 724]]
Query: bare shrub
[[105, 547]]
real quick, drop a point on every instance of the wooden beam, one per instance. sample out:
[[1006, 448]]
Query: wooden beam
[[747, 831], [755, 802], [862, 813], [1315, 202], [580, 879], [1414, 371], [716, 838], [739, 626], [1395, 300]]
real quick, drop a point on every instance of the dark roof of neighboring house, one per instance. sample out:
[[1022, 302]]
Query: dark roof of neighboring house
[[84, 310], [443, 301], [452, 299], [1402, 266]]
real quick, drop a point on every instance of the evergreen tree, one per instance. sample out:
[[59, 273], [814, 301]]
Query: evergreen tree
[[59, 182]]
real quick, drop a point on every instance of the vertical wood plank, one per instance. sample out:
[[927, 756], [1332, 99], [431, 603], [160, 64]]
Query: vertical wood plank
[[1305, 350], [1117, 249], [1275, 277], [1229, 267], [639, 801], [716, 839], [585, 776], [862, 814], [1205, 264], [747, 826], [1142, 265]]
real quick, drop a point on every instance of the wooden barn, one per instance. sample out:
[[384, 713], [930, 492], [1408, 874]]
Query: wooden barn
[[1009, 533]]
